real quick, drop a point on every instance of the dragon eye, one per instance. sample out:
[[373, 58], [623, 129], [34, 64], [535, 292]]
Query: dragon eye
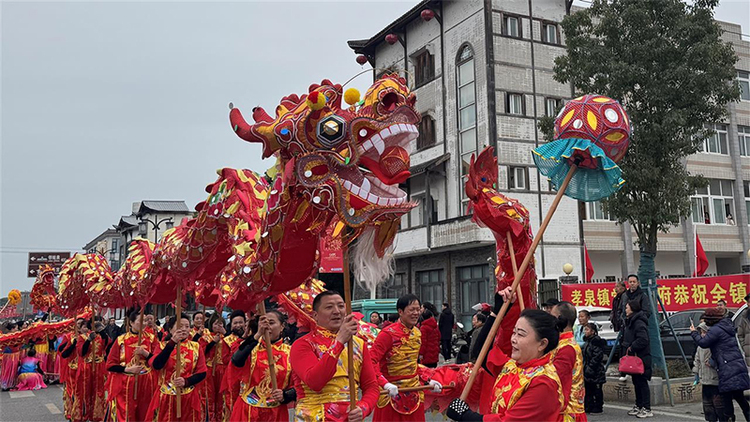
[[484, 180], [331, 130]]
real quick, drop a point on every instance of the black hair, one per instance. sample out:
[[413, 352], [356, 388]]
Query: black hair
[[279, 315], [430, 307], [235, 314], [447, 305], [173, 320], [427, 314], [593, 327], [551, 302], [722, 301], [133, 315], [392, 317], [481, 317], [321, 295], [88, 324], [215, 317], [635, 305], [375, 312], [406, 300], [10, 325], [31, 352], [199, 313], [585, 312], [634, 275], [544, 326], [567, 315]]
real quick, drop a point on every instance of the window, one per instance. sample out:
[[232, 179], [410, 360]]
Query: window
[[431, 286], [595, 211], [424, 68], [551, 105], [474, 283], [517, 178], [744, 79], [115, 243], [467, 116], [744, 138], [514, 104], [512, 26], [426, 133], [549, 33], [417, 194], [746, 186], [714, 204], [717, 142], [396, 286]]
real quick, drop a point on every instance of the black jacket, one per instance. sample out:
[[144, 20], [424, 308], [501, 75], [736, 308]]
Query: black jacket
[[615, 315], [593, 360], [639, 295], [636, 339], [725, 351], [445, 324]]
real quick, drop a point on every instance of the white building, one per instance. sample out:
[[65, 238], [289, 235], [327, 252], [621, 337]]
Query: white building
[[149, 220]]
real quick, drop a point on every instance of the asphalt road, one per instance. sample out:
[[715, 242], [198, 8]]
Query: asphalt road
[[46, 405]]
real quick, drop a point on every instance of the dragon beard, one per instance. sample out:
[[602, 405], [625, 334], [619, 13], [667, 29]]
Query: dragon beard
[[369, 269]]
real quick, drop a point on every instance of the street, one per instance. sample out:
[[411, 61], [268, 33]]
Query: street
[[46, 405]]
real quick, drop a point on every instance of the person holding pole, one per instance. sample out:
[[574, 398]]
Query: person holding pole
[[91, 349], [526, 386], [193, 370], [127, 361], [320, 366], [215, 351], [230, 386], [262, 399], [395, 356], [568, 361]]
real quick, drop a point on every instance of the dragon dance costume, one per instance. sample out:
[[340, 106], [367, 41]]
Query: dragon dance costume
[[215, 353], [568, 361], [124, 403], [11, 357], [230, 379], [395, 357], [88, 391], [68, 369], [255, 385], [29, 377], [319, 365], [193, 369]]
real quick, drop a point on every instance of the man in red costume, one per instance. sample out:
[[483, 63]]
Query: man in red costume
[[394, 357], [126, 363], [320, 366], [192, 371]]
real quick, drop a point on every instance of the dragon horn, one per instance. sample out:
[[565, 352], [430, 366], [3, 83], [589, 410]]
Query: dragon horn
[[261, 132]]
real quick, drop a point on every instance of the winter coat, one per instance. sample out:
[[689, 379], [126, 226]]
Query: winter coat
[[636, 339], [704, 367], [614, 316], [730, 364], [639, 295], [743, 334], [593, 360], [446, 324], [430, 349]]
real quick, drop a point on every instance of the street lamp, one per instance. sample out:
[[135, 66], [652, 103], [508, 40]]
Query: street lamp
[[144, 222], [568, 268]]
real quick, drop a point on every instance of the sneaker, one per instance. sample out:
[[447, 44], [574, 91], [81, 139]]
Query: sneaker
[[634, 411], [645, 413], [623, 379]]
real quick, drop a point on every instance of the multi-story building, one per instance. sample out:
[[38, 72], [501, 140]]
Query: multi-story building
[[149, 220], [107, 245], [483, 75]]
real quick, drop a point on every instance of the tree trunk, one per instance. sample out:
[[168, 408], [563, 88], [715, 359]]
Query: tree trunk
[[647, 277]]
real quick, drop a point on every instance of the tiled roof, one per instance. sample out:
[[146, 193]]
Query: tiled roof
[[362, 46], [163, 206]]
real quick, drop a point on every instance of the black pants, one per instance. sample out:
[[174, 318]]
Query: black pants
[[445, 346], [713, 404], [739, 397], [593, 402], [642, 392], [430, 365]]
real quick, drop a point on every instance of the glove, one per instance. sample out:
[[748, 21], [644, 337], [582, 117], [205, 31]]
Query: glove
[[459, 411], [436, 386], [392, 389]]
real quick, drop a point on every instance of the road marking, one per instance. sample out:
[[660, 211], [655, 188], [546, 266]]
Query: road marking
[[660, 412], [53, 409], [20, 394]]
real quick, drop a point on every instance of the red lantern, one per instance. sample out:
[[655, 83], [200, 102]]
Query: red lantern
[[427, 15], [391, 39], [362, 59]]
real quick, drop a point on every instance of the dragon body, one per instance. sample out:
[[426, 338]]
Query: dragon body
[[503, 216]]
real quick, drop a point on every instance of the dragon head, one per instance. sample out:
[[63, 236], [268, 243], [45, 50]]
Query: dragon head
[[348, 159]]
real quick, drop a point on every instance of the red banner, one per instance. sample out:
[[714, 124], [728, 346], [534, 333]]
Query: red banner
[[331, 257], [678, 294]]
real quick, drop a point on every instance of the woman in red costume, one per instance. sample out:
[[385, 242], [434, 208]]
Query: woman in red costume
[[192, 372], [69, 367], [91, 349], [568, 361], [11, 357], [257, 400], [527, 386], [214, 349]]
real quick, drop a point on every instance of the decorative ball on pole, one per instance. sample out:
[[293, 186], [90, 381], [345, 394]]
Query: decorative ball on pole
[[391, 39], [427, 15], [362, 59], [567, 268]]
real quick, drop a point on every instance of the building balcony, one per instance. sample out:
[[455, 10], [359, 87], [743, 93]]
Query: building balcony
[[451, 234]]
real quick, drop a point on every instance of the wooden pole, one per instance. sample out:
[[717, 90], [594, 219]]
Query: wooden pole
[[350, 343], [512, 253], [524, 265], [178, 360], [140, 339], [269, 349]]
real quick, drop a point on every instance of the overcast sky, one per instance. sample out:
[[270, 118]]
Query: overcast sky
[[105, 103]]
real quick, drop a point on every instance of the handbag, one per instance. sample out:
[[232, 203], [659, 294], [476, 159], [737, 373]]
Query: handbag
[[632, 365]]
